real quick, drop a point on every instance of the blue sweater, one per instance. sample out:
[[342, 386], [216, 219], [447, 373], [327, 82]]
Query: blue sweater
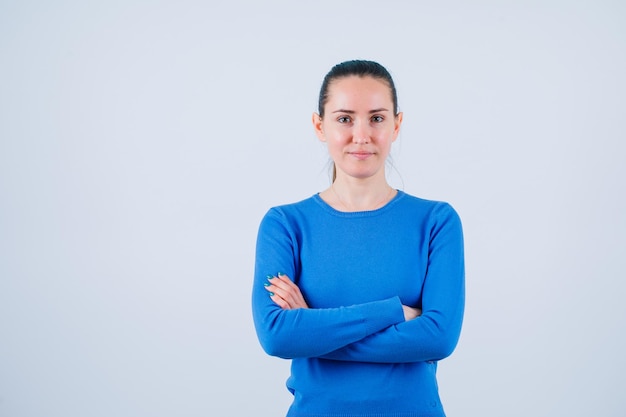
[[353, 355]]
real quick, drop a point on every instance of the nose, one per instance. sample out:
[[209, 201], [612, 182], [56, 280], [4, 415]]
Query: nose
[[361, 133]]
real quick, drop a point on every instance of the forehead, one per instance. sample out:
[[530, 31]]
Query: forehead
[[354, 91]]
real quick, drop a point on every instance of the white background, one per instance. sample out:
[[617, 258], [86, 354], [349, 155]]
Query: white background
[[141, 143]]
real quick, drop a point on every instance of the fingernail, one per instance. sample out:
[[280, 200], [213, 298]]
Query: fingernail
[[267, 284], [280, 273], [271, 294], [269, 277]]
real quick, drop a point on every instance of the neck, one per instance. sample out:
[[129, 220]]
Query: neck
[[352, 194]]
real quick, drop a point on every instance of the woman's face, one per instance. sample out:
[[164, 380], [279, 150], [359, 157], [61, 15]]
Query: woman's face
[[358, 125]]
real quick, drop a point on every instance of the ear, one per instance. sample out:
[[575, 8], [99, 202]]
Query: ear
[[317, 126], [397, 123]]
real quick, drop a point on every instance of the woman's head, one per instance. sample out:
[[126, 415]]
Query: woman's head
[[359, 68], [358, 118]]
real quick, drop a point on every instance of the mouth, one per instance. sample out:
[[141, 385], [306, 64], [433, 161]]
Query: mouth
[[361, 154]]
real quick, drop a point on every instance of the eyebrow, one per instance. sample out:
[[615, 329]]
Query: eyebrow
[[382, 109]]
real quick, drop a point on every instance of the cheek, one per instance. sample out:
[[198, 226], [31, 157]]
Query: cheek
[[334, 145], [336, 137], [389, 135]]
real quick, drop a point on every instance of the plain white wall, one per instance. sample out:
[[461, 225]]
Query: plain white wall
[[141, 143]]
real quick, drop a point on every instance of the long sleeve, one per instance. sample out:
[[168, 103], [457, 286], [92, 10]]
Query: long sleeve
[[352, 352], [433, 335], [306, 332]]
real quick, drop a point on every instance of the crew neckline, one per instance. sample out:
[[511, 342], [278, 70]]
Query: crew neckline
[[366, 213]]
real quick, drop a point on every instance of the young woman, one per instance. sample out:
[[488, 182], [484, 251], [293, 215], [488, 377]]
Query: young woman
[[361, 285]]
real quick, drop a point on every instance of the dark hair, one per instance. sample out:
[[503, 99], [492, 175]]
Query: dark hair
[[359, 68]]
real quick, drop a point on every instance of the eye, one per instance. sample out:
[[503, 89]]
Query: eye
[[377, 119], [344, 119]]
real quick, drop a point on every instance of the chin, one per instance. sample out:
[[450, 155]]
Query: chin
[[360, 174], [361, 170]]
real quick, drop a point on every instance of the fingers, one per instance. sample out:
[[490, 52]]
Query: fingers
[[411, 313], [284, 292], [281, 292], [280, 302], [282, 282]]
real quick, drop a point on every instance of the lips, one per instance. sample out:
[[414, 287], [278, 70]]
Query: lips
[[361, 154]]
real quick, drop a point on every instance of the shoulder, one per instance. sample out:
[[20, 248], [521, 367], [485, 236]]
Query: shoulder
[[290, 215], [431, 208], [438, 218], [294, 209]]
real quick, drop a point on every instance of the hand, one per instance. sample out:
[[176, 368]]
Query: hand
[[285, 293], [411, 312]]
